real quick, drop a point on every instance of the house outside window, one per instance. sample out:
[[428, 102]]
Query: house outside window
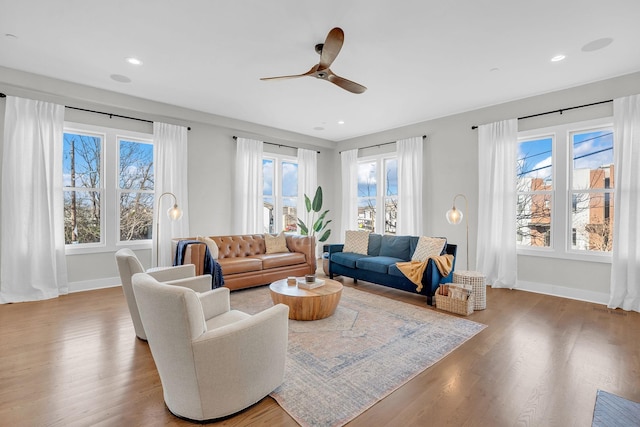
[[378, 186], [565, 187], [280, 193], [108, 185]]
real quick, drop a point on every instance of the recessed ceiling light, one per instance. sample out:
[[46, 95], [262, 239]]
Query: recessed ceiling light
[[10, 36], [340, 122], [558, 58], [134, 61], [318, 128], [494, 69], [120, 78]]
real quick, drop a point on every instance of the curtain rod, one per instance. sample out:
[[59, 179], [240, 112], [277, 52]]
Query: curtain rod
[[561, 110], [380, 145], [273, 143], [111, 115]]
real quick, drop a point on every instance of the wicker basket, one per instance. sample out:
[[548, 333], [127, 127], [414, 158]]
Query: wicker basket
[[476, 280], [457, 306]]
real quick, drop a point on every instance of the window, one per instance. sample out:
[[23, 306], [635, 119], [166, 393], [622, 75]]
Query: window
[[108, 181], [371, 171], [280, 193], [565, 187]]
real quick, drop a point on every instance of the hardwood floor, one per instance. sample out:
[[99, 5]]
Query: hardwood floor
[[75, 361]]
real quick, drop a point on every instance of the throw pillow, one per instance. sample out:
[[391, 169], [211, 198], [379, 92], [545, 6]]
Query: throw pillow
[[356, 241], [213, 248], [428, 247], [275, 244]]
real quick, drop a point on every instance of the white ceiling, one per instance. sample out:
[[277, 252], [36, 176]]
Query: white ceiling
[[420, 59]]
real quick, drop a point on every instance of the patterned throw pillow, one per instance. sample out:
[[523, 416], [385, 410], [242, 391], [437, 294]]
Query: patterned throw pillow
[[275, 244], [356, 241], [428, 247]]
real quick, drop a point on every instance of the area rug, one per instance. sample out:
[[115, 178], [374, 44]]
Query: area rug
[[613, 411], [338, 367]]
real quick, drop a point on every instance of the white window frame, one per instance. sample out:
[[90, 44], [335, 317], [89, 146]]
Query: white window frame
[[381, 186], [278, 203], [561, 194], [109, 188]]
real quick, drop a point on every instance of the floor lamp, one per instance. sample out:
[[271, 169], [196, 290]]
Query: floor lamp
[[174, 213], [454, 216]]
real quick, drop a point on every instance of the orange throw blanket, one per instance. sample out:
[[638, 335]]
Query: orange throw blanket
[[415, 269]]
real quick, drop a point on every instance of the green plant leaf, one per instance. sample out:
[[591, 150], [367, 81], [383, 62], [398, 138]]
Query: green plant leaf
[[317, 200], [303, 228], [325, 236], [307, 203]]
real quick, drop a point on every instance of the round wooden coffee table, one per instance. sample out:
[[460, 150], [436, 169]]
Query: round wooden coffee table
[[307, 304]]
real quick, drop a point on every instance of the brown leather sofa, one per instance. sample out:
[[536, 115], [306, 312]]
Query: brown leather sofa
[[245, 263]]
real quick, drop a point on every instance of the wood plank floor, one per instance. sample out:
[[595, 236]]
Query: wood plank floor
[[75, 361]]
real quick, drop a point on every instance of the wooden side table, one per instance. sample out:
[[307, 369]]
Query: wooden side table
[[477, 282]]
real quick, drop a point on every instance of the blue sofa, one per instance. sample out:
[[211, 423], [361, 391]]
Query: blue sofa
[[379, 265]]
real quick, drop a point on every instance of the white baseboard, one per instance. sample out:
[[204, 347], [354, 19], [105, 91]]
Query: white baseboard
[[564, 292], [90, 285]]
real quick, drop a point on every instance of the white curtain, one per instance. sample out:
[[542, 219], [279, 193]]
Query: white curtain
[[625, 266], [349, 160], [496, 250], [307, 181], [248, 211], [409, 221], [33, 264], [170, 146]]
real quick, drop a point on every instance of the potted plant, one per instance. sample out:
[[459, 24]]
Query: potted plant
[[318, 225]]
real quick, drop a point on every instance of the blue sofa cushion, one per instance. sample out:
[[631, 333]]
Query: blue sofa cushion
[[396, 247], [379, 264], [348, 259], [395, 271], [375, 240]]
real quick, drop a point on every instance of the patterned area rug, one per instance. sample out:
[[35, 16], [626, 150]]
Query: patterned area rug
[[615, 411], [340, 366]]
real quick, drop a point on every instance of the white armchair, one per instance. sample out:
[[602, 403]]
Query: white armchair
[[128, 265], [212, 361]]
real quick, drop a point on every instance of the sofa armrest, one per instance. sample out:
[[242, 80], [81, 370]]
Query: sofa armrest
[[305, 245], [336, 247]]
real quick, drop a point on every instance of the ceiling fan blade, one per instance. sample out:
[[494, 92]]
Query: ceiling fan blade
[[308, 73], [331, 47], [346, 84]]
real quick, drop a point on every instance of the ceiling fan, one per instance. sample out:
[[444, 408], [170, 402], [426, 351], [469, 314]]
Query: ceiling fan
[[328, 52]]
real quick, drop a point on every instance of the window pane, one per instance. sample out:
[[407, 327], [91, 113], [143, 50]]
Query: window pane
[[289, 214], [592, 221], [534, 220], [136, 166], [267, 178], [81, 160], [367, 214], [390, 215], [290, 180], [391, 174], [81, 217], [534, 166], [367, 185], [136, 216], [268, 220], [592, 159]]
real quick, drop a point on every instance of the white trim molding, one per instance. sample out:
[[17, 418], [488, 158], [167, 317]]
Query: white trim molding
[[563, 292], [91, 285]]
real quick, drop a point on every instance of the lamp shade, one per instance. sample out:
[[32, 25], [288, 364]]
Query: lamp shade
[[454, 216], [174, 213]]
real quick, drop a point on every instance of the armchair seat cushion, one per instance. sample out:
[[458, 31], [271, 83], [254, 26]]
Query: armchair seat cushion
[[280, 259], [379, 264], [240, 265], [348, 259]]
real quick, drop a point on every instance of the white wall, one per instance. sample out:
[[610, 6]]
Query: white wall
[[450, 167]]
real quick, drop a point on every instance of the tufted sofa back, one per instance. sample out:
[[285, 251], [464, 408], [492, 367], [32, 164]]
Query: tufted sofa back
[[240, 246]]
